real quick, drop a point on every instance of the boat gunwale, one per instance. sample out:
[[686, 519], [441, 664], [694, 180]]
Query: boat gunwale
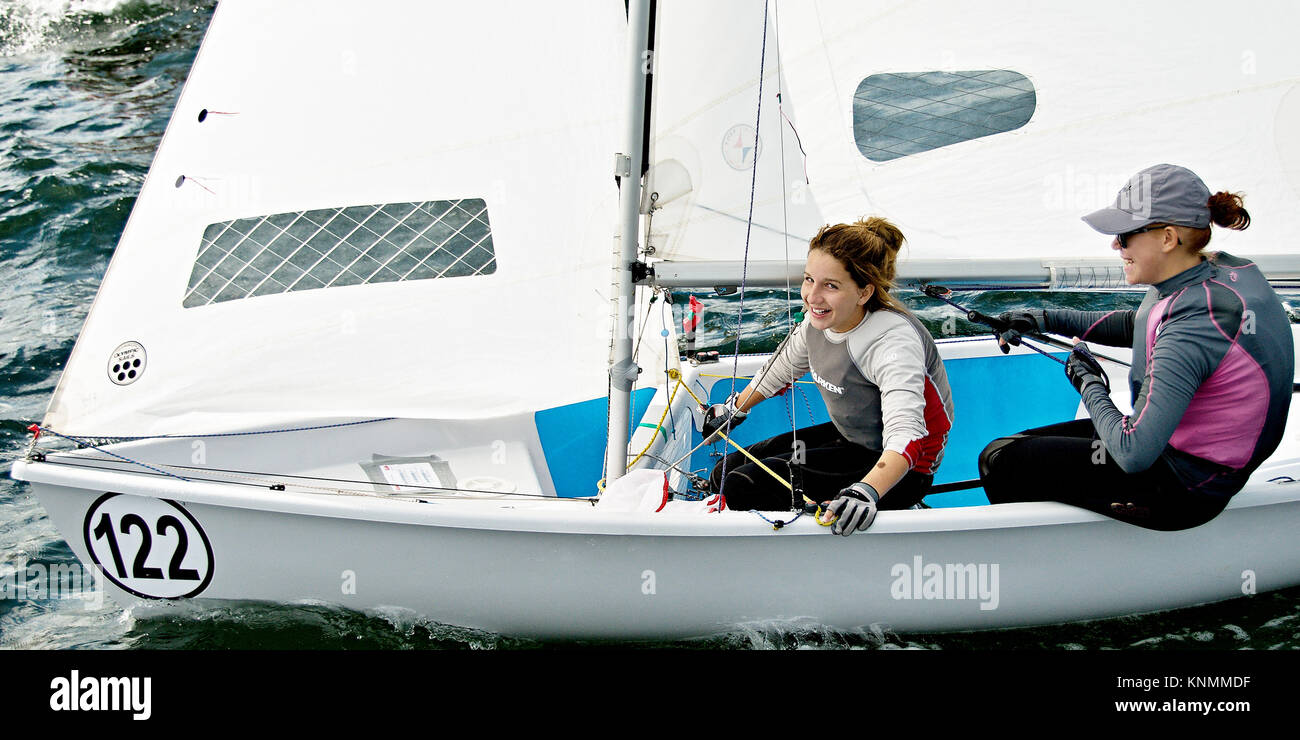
[[556, 515]]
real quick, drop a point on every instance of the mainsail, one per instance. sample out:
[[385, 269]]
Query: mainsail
[[1115, 86], [983, 130]]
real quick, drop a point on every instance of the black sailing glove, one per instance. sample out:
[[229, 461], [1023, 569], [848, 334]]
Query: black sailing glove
[[1083, 368], [855, 507], [720, 415], [1018, 323]]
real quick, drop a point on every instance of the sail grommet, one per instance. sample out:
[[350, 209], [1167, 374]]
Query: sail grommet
[[127, 363]]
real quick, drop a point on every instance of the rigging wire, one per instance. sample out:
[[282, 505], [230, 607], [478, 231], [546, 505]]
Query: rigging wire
[[744, 269], [785, 226], [263, 479]]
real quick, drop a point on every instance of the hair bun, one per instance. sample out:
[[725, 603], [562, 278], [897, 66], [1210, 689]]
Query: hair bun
[[891, 239]]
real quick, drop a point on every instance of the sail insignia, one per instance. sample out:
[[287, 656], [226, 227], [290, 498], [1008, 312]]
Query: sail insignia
[[126, 364]]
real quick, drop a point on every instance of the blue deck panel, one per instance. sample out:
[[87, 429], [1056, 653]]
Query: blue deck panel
[[992, 397], [573, 441]]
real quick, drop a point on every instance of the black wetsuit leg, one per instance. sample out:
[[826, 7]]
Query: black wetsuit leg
[[1067, 463], [830, 463]]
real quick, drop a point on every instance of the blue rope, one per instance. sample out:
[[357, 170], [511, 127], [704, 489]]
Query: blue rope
[[83, 443], [220, 434], [778, 524]]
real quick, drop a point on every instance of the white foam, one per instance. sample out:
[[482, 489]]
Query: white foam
[[30, 21]]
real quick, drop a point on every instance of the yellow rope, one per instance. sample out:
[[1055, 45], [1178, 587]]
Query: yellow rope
[[676, 375], [660, 425], [746, 453], [816, 517], [760, 464]]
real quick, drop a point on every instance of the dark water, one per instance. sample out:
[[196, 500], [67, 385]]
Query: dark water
[[87, 95]]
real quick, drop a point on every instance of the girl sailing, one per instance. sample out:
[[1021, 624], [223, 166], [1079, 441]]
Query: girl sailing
[[1211, 381], [877, 369]]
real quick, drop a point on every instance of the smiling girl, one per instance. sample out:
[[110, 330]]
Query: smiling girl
[[1211, 381], [878, 371]]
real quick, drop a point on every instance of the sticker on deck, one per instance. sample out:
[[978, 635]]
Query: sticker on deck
[[150, 547], [419, 475]]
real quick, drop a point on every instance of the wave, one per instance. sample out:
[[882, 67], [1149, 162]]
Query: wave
[[33, 26]]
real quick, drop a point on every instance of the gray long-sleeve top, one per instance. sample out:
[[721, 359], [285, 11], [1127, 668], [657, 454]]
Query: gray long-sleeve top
[[883, 382]]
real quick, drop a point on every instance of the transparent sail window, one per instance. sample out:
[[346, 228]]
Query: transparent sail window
[[904, 113], [332, 247]]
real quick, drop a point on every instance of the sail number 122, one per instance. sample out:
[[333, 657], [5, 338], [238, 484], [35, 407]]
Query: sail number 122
[[151, 547]]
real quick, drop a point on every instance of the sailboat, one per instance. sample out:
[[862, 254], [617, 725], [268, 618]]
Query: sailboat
[[390, 309]]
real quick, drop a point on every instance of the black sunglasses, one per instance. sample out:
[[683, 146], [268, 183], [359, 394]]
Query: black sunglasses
[[1123, 238]]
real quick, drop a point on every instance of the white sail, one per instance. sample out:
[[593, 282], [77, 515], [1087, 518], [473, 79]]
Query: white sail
[[707, 65], [321, 158], [1117, 86]]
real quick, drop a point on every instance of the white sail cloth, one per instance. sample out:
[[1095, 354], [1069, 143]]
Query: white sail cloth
[[1119, 86], [703, 148], [313, 105]]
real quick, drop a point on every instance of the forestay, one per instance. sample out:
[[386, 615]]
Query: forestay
[[356, 203]]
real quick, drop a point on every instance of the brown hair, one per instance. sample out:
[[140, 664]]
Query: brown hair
[[868, 249], [1226, 210]]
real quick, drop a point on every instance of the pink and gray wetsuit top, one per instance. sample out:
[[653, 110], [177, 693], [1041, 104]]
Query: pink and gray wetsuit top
[[1212, 376]]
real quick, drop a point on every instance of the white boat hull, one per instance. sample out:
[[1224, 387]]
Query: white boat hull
[[565, 569]]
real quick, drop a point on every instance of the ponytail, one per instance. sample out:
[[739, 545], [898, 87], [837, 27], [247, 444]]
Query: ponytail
[[1226, 210]]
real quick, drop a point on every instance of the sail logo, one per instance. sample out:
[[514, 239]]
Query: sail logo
[[740, 147], [127, 363], [153, 548], [947, 581]]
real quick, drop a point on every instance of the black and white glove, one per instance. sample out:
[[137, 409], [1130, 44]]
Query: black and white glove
[[722, 416], [1018, 323], [855, 508], [1083, 369]]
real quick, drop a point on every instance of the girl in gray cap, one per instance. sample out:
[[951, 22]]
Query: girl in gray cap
[[1211, 381]]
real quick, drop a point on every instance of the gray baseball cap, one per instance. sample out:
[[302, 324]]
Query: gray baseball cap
[[1163, 194]]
